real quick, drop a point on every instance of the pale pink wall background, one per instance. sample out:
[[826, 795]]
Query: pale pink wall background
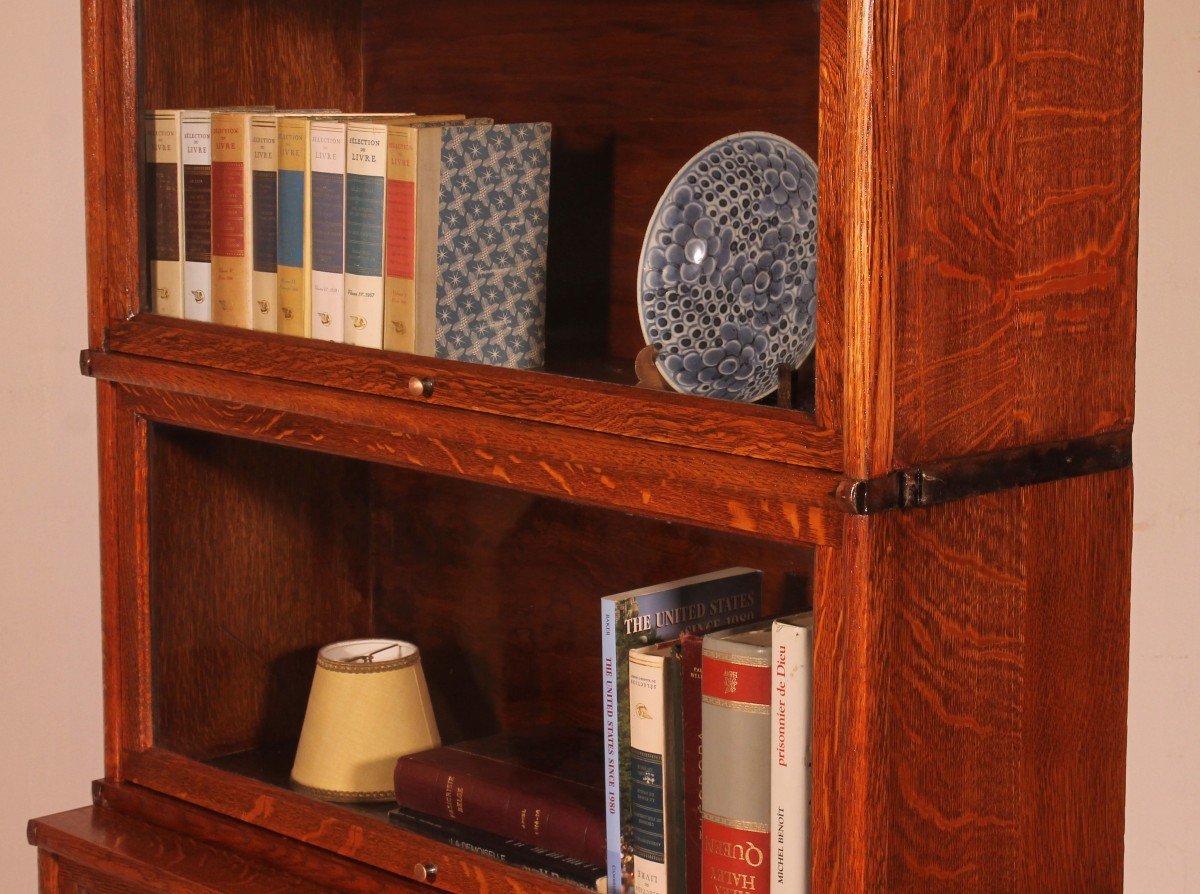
[[50, 694]]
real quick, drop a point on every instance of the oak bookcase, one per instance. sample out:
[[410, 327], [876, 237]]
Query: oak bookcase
[[953, 494]]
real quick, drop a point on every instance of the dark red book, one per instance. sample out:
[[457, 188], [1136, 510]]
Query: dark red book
[[691, 651], [526, 786]]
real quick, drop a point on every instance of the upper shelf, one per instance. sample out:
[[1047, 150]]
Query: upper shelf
[[608, 445], [742, 430]]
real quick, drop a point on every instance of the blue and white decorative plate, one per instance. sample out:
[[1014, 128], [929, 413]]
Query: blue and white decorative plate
[[727, 286]]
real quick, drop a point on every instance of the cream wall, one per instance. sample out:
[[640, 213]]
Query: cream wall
[[50, 723], [1162, 817], [50, 740]]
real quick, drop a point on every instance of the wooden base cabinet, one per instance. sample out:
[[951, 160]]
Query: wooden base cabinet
[[949, 488]]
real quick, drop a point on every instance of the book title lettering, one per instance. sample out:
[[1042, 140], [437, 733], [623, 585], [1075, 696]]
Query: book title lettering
[[693, 617]]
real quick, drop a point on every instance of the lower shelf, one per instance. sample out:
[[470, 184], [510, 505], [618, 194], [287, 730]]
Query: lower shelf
[[252, 787], [102, 850]]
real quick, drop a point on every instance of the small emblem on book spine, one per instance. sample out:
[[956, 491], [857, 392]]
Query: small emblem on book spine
[[731, 681]]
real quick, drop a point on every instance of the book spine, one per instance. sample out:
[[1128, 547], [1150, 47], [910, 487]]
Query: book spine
[[366, 175], [648, 835], [655, 729], [791, 682], [736, 797], [264, 165], [400, 299], [691, 651], [327, 158], [164, 193], [491, 289], [232, 242], [673, 771], [196, 128], [291, 252], [612, 767], [502, 850], [528, 811]]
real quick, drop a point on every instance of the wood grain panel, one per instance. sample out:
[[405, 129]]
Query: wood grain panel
[[769, 500], [660, 416], [124, 855], [833, 184], [501, 590], [633, 89], [978, 653], [956, 364], [1016, 224], [1077, 130], [282, 53], [112, 153], [1076, 641], [259, 556], [872, 95], [125, 581], [311, 863]]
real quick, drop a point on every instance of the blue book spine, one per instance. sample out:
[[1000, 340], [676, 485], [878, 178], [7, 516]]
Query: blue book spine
[[612, 773], [291, 219], [647, 832]]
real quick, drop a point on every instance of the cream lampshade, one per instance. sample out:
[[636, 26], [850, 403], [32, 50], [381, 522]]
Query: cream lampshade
[[368, 706]]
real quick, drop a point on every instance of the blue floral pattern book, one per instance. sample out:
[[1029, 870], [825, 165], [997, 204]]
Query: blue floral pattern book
[[491, 256]]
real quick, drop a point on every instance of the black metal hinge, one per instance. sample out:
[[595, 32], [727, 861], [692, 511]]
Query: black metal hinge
[[973, 476]]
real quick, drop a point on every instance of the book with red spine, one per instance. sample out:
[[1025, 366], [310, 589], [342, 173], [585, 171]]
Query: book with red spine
[[482, 785], [735, 799]]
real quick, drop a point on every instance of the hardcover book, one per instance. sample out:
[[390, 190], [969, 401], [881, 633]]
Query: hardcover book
[[482, 203], [791, 752], [656, 766], [327, 159], [642, 617], [196, 129], [164, 194], [264, 206], [504, 850], [295, 228], [735, 799], [232, 225], [366, 174], [492, 784]]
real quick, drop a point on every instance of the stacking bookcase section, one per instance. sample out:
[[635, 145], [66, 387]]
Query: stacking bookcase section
[[261, 554], [621, 134]]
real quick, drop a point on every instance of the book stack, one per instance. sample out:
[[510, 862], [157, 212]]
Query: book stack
[[422, 234], [691, 671]]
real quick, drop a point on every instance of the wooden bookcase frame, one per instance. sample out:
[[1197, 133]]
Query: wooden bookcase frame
[[979, 194]]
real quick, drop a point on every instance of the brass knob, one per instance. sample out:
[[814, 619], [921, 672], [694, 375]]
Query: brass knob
[[425, 872], [419, 387]]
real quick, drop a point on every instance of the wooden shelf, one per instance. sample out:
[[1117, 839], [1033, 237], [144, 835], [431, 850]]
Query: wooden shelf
[[256, 793], [775, 500], [762, 432]]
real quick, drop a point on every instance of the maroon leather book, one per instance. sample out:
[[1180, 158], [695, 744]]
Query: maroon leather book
[[691, 651], [507, 785]]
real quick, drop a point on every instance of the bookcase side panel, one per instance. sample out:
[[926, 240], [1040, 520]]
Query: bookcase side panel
[[112, 153], [1016, 202], [974, 715], [1076, 689]]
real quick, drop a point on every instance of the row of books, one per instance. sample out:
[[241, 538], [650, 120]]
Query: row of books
[[707, 734], [691, 671], [422, 234]]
